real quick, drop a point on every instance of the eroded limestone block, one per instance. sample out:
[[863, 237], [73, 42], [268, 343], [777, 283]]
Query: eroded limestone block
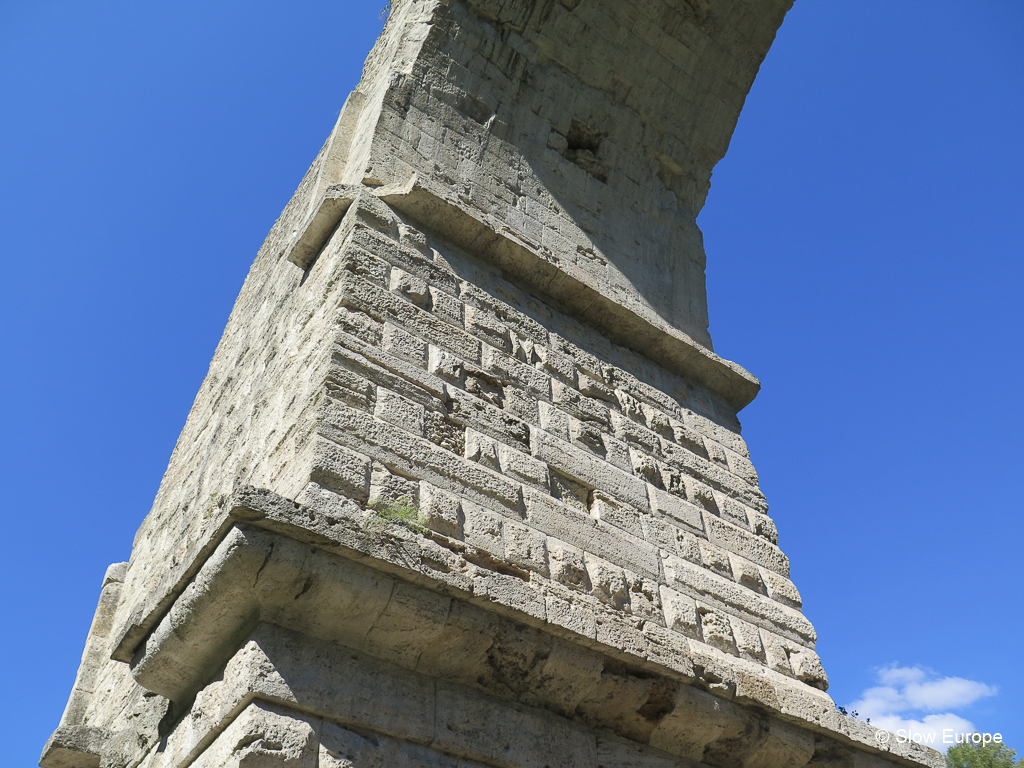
[[264, 736]]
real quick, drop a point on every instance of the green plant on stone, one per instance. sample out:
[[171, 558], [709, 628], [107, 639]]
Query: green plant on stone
[[385, 12], [403, 512]]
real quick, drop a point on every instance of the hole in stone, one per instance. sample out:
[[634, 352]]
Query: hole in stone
[[581, 147], [580, 137], [660, 701]]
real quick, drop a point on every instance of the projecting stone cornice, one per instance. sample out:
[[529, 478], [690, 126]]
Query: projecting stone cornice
[[623, 317], [409, 600]]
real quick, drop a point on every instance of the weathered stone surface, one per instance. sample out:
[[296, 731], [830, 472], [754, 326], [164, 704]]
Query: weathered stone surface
[[465, 484], [74, 746], [264, 736]]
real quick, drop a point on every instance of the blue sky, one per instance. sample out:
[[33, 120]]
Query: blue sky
[[864, 240]]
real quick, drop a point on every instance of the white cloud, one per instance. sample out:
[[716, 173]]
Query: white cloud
[[916, 703], [877, 702], [895, 675], [947, 693]]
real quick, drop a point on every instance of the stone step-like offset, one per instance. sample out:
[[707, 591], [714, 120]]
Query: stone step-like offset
[[465, 484]]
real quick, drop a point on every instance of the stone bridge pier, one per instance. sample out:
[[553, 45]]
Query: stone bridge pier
[[465, 485]]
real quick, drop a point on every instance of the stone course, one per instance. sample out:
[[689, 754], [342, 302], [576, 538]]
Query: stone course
[[485, 303]]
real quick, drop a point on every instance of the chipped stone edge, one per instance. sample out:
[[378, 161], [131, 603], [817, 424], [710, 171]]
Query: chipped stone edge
[[74, 746], [314, 233]]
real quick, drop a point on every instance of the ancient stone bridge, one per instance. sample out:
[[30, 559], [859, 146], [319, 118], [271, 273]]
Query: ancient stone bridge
[[465, 484]]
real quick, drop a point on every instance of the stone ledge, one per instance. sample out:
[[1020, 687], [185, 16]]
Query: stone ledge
[[298, 680], [289, 675], [74, 746], [648, 334], [284, 574], [312, 234]]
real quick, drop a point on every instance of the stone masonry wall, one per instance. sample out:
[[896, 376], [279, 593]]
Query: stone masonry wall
[[588, 130], [618, 494], [529, 436], [253, 414]]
